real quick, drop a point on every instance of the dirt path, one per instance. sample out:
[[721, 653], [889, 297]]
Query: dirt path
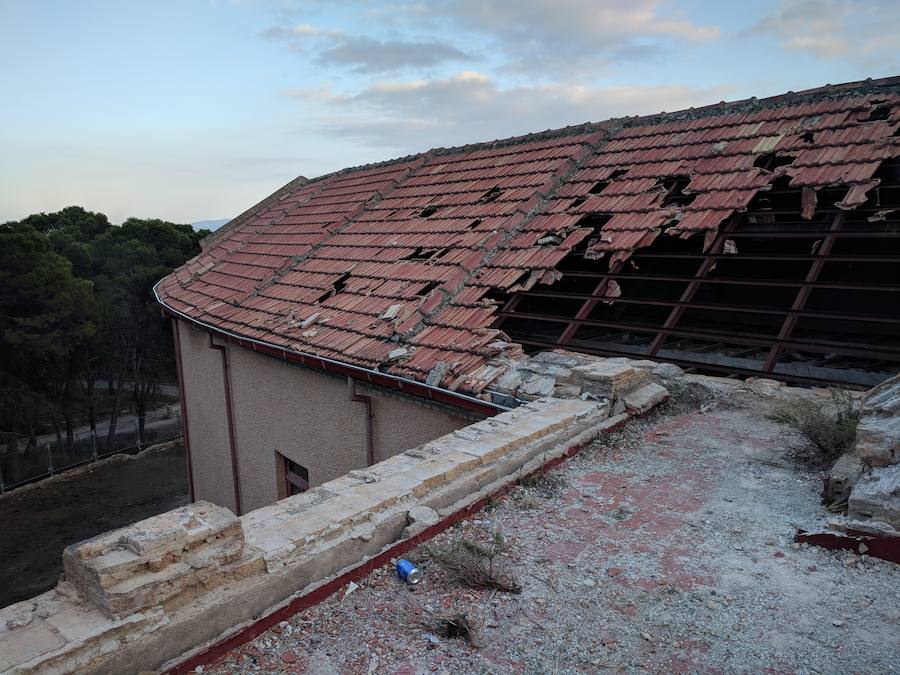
[[665, 548], [39, 521]]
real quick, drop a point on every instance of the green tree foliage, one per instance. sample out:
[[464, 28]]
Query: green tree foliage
[[76, 305], [46, 313]]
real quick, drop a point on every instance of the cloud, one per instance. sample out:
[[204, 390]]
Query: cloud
[[364, 54], [832, 29], [368, 55], [557, 36], [413, 115], [558, 39]]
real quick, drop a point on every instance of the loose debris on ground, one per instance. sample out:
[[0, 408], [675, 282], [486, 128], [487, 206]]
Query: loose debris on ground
[[667, 548]]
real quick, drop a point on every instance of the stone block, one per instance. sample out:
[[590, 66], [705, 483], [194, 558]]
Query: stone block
[[149, 562], [841, 478], [876, 496], [610, 380], [641, 400], [878, 432]]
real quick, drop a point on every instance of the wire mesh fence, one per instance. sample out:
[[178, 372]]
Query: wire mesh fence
[[20, 466]]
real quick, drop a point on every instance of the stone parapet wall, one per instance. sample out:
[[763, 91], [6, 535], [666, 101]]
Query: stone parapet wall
[[147, 596]]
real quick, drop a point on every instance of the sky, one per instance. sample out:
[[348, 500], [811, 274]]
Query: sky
[[197, 109]]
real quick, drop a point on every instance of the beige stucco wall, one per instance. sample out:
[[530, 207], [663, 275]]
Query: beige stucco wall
[[204, 394], [301, 413]]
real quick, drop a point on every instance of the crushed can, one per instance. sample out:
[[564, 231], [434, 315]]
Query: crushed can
[[408, 572]]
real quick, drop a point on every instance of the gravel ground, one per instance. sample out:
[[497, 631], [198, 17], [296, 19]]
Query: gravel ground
[[666, 547]]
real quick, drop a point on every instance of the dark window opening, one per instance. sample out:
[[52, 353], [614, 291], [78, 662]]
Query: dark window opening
[[295, 478], [770, 161], [675, 187], [490, 195], [428, 211]]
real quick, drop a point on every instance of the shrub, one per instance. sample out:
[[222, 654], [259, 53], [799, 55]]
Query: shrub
[[829, 425]]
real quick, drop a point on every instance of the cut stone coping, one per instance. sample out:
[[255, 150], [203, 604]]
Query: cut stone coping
[[161, 593]]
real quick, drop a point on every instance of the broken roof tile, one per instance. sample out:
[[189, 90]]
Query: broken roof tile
[[434, 244]]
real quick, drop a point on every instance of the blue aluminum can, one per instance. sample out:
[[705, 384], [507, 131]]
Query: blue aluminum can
[[408, 572]]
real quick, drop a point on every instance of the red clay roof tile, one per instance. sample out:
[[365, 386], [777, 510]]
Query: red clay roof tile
[[438, 233]]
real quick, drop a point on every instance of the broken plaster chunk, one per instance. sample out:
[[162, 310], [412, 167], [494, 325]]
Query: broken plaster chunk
[[309, 321], [420, 518], [437, 374], [667, 371], [398, 353], [391, 312], [764, 386]]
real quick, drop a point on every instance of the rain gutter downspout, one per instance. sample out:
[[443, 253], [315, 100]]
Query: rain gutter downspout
[[184, 409], [367, 401], [229, 414]]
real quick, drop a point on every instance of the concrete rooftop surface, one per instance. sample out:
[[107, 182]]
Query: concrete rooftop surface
[[664, 547]]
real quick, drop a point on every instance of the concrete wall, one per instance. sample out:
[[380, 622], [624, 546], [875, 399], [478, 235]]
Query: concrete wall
[[204, 392], [300, 413], [145, 597]]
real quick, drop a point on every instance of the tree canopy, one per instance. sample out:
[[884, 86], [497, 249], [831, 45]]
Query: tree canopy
[[76, 305]]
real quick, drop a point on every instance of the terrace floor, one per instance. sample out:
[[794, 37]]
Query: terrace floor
[[664, 547]]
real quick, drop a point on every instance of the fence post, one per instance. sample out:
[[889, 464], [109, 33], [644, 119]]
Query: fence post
[[50, 458], [94, 444], [2, 490], [137, 434]]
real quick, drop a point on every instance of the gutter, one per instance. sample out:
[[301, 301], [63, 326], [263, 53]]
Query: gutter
[[229, 414], [370, 436], [402, 384]]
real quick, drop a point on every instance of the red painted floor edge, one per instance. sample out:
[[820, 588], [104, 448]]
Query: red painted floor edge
[[319, 594]]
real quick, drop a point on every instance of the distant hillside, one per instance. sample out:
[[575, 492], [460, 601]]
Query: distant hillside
[[211, 225]]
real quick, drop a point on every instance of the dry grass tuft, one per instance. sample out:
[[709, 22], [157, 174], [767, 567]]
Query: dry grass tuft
[[829, 425], [476, 564]]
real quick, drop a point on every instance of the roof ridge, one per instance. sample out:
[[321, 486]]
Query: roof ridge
[[825, 92], [712, 110]]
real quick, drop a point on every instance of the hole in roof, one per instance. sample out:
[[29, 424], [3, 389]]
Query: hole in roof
[[475, 223], [340, 282], [440, 253], [675, 187], [601, 185], [430, 286], [490, 195], [809, 137], [578, 201], [428, 211], [595, 220], [420, 254], [770, 161], [879, 112]]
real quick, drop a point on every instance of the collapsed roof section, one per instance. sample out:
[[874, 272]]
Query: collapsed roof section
[[400, 267]]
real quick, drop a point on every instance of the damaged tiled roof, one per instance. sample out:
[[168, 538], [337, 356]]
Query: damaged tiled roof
[[398, 266]]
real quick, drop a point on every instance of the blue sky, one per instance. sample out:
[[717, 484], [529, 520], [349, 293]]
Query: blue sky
[[198, 109]]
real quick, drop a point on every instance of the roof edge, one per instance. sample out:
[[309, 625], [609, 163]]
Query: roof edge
[[396, 382], [253, 210]]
